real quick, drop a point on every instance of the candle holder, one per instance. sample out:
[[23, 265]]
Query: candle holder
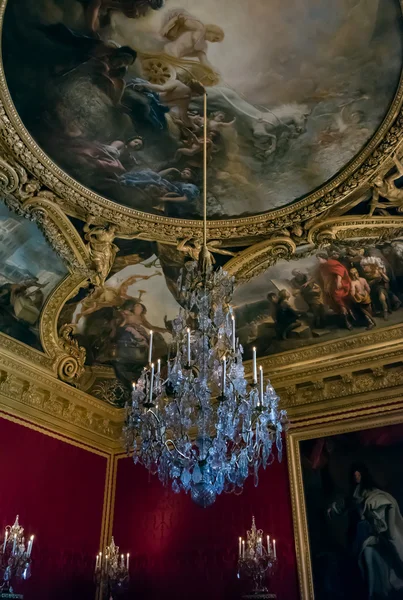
[[15, 559], [111, 572], [257, 561]]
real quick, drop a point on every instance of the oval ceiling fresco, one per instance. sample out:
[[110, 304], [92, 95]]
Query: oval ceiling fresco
[[112, 91]]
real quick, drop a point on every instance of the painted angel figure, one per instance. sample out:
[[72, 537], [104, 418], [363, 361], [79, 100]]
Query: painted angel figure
[[186, 36]]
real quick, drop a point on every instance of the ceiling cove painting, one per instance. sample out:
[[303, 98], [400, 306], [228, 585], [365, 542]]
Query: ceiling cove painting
[[113, 322], [328, 295], [29, 271], [112, 91], [321, 297]]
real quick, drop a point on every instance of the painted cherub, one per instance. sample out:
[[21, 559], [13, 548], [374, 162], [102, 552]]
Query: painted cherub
[[187, 36], [216, 122], [178, 95]]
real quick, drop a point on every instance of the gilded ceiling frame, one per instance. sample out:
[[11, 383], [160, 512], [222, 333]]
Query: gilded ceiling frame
[[245, 266], [67, 359], [369, 416], [78, 201], [25, 197]]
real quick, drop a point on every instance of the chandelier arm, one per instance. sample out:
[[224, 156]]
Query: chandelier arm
[[156, 417], [174, 445]]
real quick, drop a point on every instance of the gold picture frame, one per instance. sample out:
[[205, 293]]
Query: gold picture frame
[[369, 416]]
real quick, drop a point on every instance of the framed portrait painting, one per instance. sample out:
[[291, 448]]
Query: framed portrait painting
[[347, 491]]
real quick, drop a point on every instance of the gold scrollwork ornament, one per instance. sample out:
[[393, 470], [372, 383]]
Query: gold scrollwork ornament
[[70, 365]]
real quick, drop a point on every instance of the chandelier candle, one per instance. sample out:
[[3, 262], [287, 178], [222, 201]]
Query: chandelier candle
[[254, 367], [224, 376], [150, 348], [188, 345], [233, 334], [151, 383], [212, 428], [261, 386]]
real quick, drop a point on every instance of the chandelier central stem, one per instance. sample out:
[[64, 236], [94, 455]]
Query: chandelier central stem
[[205, 122]]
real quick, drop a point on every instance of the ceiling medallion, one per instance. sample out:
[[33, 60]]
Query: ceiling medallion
[[198, 424]]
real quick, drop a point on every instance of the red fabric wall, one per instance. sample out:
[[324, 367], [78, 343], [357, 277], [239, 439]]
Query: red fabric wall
[[58, 490], [181, 551]]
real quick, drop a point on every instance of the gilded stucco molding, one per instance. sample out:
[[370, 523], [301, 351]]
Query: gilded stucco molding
[[67, 357], [35, 395], [361, 228], [338, 394], [259, 257], [11, 347], [30, 201], [355, 347]]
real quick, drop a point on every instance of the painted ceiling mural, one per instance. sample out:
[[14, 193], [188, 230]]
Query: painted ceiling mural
[[113, 322], [112, 91], [29, 271], [330, 294]]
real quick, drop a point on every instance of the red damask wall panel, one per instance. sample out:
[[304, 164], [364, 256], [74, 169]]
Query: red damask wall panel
[[58, 490], [185, 552]]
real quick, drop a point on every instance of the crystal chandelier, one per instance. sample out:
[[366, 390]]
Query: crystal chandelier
[[15, 558], [258, 560], [197, 423], [111, 572]]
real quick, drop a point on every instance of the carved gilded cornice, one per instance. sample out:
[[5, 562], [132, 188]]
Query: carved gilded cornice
[[33, 393], [259, 257], [363, 229]]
